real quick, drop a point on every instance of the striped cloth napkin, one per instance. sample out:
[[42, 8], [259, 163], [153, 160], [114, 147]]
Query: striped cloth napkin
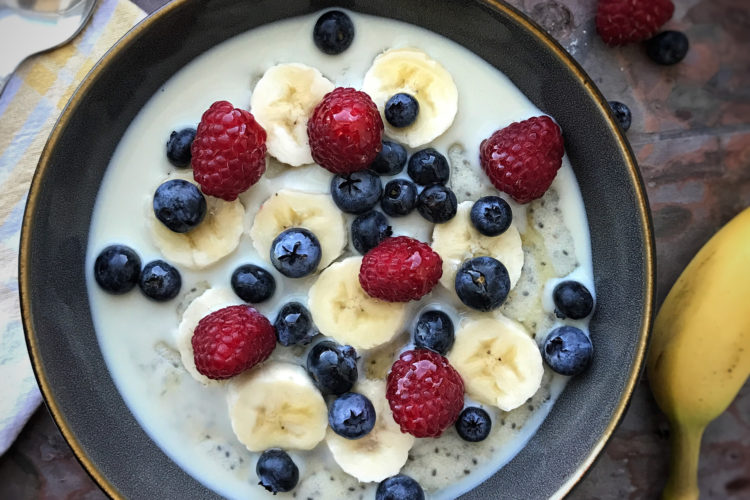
[[29, 107]]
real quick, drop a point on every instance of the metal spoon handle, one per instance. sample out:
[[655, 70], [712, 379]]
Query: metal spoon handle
[[26, 32]]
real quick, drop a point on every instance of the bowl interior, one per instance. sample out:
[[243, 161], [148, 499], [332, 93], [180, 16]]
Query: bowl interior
[[66, 357]]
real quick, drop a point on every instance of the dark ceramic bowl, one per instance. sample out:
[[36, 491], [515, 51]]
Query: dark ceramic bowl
[[66, 358]]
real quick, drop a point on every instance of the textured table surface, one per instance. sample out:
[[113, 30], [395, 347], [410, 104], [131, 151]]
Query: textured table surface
[[691, 134]]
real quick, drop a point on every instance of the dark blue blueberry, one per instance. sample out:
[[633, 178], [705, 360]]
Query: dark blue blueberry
[[333, 367], [399, 197], [428, 166], [400, 487], [572, 300], [368, 230], [178, 147], [252, 283], [276, 471], [491, 215], [567, 350], [160, 281], [351, 415], [334, 32], [179, 205], [356, 193], [390, 160], [294, 324], [482, 283], [622, 114], [295, 252], [668, 47], [401, 110], [117, 269], [473, 424], [434, 331], [437, 203]]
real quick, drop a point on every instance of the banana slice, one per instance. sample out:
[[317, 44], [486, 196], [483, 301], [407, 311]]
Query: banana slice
[[209, 301], [458, 240], [498, 361], [277, 405], [342, 310], [315, 212], [282, 102], [414, 72], [215, 237], [382, 452]]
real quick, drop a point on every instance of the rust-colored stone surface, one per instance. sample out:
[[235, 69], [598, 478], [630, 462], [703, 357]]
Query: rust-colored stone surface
[[691, 134]]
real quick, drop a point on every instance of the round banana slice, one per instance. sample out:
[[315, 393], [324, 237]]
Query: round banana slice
[[458, 240], [315, 212], [277, 405], [209, 301], [342, 310], [413, 72], [215, 237], [498, 361], [282, 102], [382, 452]]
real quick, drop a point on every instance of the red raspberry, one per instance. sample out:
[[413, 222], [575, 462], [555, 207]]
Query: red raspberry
[[400, 269], [623, 21], [523, 158], [425, 393], [231, 340], [345, 131], [229, 151]]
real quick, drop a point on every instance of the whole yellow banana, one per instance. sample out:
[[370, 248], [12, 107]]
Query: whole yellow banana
[[700, 348]]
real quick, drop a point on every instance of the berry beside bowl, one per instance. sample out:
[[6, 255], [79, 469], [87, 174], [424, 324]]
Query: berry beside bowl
[[362, 309]]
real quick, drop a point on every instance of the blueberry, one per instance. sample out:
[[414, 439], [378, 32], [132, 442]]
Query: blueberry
[[333, 367], [482, 283], [434, 331], [356, 193], [390, 160], [567, 350], [622, 114], [294, 324], [428, 166], [334, 32], [473, 424], [667, 48], [117, 269], [252, 283], [491, 215], [160, 281], [400, 487], [351, 415], [572, 300], [368, 230], [178, 147], [179, 205], [437, 203], [295, 252], [277, 471], [401, 110], [399, 197]]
